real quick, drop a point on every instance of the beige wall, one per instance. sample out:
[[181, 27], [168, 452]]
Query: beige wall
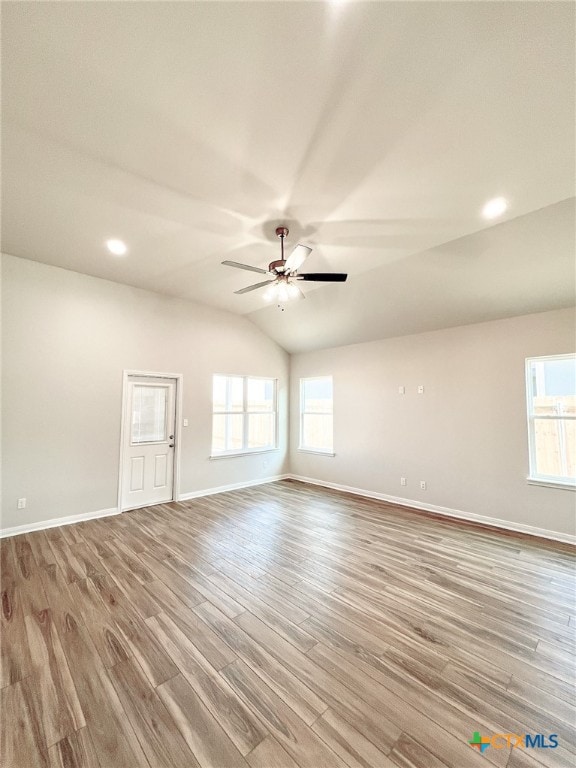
[[466, 436], [66, 340], [68, 337]]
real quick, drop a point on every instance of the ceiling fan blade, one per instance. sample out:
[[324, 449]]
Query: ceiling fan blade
[[245, 266], [296, 258], [253, 287], [327, 277]]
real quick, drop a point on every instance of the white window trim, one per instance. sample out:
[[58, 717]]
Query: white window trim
[[316, 450], [244, 451], [533, 477], [551, 483], [247, 452], [309, 449]]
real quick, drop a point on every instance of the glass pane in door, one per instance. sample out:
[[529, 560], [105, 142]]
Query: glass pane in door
[[149, 408]]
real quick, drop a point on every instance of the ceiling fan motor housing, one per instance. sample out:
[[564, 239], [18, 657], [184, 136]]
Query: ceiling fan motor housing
[[277, 267]]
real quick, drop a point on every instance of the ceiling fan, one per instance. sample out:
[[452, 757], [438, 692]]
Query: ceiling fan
[[285, 271]]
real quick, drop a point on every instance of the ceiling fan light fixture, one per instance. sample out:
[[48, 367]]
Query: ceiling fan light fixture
[[269, 294], [293, 291], [282, 291]]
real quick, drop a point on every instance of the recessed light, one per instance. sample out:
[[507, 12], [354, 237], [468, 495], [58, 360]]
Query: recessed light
[[494, 208], [117, 247]]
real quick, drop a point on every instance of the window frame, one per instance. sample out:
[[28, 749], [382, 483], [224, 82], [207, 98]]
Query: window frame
[[534, 478], [305, 448], [245, 450]]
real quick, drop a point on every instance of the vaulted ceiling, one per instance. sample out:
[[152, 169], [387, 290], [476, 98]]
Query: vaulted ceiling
[[374, 131]]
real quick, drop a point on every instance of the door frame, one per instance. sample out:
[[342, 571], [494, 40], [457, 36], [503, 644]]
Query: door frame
[[178, 378]]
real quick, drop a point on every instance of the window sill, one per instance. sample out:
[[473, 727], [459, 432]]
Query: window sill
[[312, 450], [551, 484], [233, 454]]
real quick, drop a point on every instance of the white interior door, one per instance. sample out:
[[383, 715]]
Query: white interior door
[[148, 450]]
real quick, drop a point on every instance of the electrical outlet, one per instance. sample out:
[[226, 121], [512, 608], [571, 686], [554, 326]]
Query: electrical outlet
[[402, 481], [401, 390], [21, 503], [423, 484], [420, 389], [185, 422]]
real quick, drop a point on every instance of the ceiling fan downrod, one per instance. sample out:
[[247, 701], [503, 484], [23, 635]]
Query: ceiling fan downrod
[[278, 266]]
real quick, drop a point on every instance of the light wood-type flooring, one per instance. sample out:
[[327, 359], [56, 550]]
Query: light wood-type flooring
[[283, 626]]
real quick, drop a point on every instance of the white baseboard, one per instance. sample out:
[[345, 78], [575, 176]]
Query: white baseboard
[[495, 522], [56, 521], [231, 487]]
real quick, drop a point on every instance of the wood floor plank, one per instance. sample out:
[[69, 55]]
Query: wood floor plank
[[301, 743], [142, 644], [348, 743], [520, 758], [71, 567], [248, 568], [131, 586], [285, 626], [371, 722], [182, 588], [111, 643], [204, 736], [130, 560], [292, 632], [22, 742], [450, 746], [41, 549], [58, 704], [156, 731], [509, 710], [269, 754], [201, 583], [244, 730], [300, 697], [28, 579], [559, 699], [97, 538], [408, 753], [218, 652], [75, 751], [264, 591], [15, 661], [112, 735]]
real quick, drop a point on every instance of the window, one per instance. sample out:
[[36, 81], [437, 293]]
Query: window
[[243, 414], [316, 415], [149, 406], [551, 400]]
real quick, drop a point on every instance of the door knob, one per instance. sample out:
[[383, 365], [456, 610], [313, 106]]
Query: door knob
[[171, 445]]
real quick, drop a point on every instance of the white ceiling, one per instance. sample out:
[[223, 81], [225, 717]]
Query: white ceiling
[[376, 131]]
